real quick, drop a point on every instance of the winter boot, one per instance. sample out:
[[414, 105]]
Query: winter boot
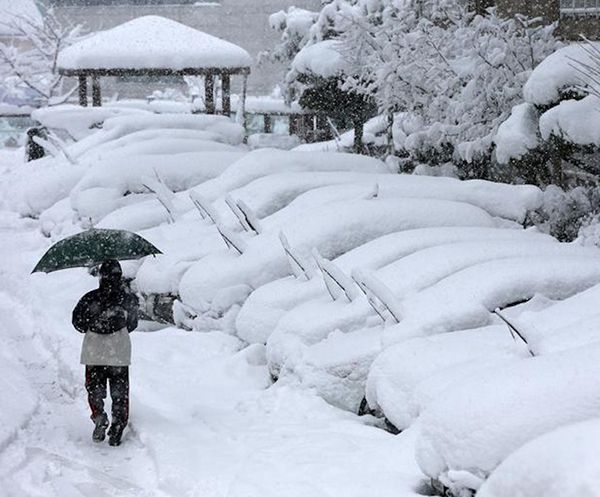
[[115, 433], [99, 433]]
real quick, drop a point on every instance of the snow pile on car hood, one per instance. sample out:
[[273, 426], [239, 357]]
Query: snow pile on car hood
[[561, 463], [468, 432]]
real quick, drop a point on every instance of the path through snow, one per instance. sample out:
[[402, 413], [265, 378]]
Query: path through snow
[[205, 420]]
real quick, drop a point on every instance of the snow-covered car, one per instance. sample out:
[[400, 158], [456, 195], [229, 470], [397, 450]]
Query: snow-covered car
[[267, 304], [466, 298], [264, 162], [51, 179], [120, 181], [405, 377], [561, 463], [466, 433], [569, 323], [332, 229], [419, 288]]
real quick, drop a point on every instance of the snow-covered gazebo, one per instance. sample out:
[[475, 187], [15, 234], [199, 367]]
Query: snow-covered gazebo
[[156, 46]]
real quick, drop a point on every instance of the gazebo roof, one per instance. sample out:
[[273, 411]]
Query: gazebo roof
[[153, 44]]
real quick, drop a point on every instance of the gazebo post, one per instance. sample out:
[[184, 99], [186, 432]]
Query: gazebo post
[[268, 124], [209, 93], [96, 92], [83, 90], [242, 104], [226, 94]]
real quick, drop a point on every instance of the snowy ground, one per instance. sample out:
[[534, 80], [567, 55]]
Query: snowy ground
[[204, 419]]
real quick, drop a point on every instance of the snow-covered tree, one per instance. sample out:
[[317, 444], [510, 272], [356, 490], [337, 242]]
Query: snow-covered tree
[[28, 58], [458, 72], [294, 26]]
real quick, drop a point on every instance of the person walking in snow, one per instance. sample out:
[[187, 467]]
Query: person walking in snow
[[107, 315]]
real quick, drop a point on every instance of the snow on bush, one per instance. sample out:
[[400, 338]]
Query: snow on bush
[[557, 75], [398, 372], [518, 134], [479, 422], [28, 51], [575, 121], [322, 59], [466, 298], [563, 213], [467, 77], [294, 26], [560, 463]]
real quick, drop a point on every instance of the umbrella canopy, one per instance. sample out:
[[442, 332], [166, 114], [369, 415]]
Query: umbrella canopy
[[92, 247]]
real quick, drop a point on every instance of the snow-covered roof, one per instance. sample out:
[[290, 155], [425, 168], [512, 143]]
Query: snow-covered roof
[[11, 12], [320, 59], [152, 42]]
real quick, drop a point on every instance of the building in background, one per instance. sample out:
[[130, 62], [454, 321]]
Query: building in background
[[243, 22], [575, 18]]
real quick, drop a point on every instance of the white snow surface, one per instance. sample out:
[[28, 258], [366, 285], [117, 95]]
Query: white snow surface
[[152, 42], [403, 279], [465, 299], [569, 323], [336, 368], [556, 73], [575, 121], [480, 421], [333, 229], [263, 162], [203, 418], [398, 372], [230, 132], [76, 120], [518, 134], [110, 179], [267, 304], [561, 463]]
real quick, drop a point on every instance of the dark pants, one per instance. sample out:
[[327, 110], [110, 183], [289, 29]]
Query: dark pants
[[96, 379]]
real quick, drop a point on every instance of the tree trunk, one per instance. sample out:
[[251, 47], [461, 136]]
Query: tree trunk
[[359, 125]]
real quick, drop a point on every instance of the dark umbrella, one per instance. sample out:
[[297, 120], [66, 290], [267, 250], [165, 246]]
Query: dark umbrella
[[92, 247]]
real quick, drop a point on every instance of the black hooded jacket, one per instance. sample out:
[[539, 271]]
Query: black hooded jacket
[[107, 309]]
